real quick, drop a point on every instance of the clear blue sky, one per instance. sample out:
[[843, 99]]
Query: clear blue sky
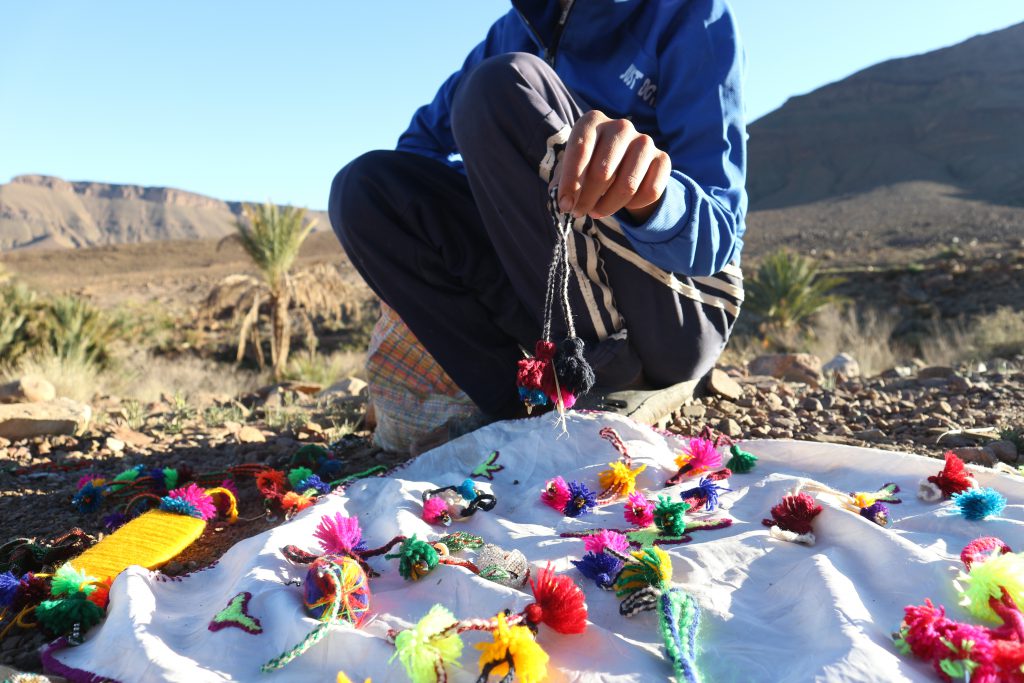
[[266, 100]]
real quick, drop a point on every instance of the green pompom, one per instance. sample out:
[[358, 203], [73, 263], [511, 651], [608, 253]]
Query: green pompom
[[741, 461], [423, 649], [298, 475], [128, 475], [670, 516], [310, 454], [170, 478], [60, 616], [416, 558], [67, 581]]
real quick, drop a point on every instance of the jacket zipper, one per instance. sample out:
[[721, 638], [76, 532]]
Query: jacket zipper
[[551, 52]]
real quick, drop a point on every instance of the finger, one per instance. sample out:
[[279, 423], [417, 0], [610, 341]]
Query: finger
[[654, 183], [613, 141], [628, 179], [575, 158]]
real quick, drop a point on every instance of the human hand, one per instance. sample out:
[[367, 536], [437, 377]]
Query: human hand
[[608, 165]]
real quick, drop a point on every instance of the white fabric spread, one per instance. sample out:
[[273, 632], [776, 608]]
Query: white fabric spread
[[771, 611]]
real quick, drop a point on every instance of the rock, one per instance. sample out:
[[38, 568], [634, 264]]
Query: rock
[[976, 455], [27, 420], [773, 401], [936, 372], [350, 387], [724, 385], [869, 435], [792, 367], [249, 434], [811, 404], [130, 436], [842, 365], [28, 389], [113, 444], [694, 411], [1006, 451], [730, 428]]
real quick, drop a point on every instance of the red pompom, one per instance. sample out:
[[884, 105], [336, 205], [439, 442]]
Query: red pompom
[[954, 477], [794, 513], [100, 595], [270, 483], [560, 603]]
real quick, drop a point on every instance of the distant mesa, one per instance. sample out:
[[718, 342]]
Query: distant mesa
[[44, 212]]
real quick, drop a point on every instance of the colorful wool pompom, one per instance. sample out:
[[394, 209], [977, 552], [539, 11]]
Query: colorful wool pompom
[[89, 498], [67, 580], [877, 513], [430, 647], [468, 490], [555, 494], [601, 568], [619, 479], [340, 535], [297, 475], [558, 603], [9, 585], [886, 494], [535, 377], [954, 478], [596, 543], [435, 511], [639, 510], [699, 455], [704, 495], [68, 615], [741, 461], [793, 515], [190, 500], [271, 483], [581, 500], [513, 652], [293, 502], [347, 585], [575, 376], [651, 568], [416, 558], [670, 516], [991, 579], [314, 483], [977, 504]]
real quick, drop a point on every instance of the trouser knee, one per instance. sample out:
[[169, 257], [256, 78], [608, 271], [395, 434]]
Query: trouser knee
[[355, 202]]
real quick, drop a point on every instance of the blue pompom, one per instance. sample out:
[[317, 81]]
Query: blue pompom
[[979, 503], [601, 568], [9, 584], [88, 499], [581, 500], [877, 513], [329, 469], [313, 482], [114, 521], [534, 397], [179, 506], [467, 489], [707, 491]]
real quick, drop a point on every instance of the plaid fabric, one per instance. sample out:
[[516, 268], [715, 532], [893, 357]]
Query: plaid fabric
[[411, 394]]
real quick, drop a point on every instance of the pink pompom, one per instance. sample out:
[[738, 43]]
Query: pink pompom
[[568, 399], [604, 538], [198, 499], [338, 535], [433, 509], [84, 479], [700, 455], [556, 493], [230, 485], [639, 510]]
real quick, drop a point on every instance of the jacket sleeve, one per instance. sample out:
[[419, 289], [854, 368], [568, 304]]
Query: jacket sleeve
[[430, 132], [697, 227]]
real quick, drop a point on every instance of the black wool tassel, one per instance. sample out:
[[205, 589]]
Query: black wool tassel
[[571, 368]]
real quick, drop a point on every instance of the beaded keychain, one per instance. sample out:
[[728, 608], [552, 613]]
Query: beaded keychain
[[557, 374]]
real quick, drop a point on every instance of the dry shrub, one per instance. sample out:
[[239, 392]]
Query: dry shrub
[[999, 334], [72, 376], [865, 334], [948, 344], [325, 369]]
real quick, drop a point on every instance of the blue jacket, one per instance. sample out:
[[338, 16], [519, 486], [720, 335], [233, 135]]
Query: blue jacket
[[673, 67]]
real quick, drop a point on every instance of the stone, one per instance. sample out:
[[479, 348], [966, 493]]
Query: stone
[[249, 434], [27, 420], [27, 389], [869, 435], [812, 405], [1005, 450], [350, 387], [773, 401], [936, 372], [114, 444], [976, 455], [131, 437], [842, 365], [792, 367], [730, 428], [723, 385], [694, 412]]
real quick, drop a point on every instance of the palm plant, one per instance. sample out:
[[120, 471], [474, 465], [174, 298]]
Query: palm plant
[[272, 237], [786, 291]]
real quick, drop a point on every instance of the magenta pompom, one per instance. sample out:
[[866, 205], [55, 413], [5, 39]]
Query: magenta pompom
[[702, 456], [434, 510], [605, 538], [338, 535], [198, 499], [556, 493], [639, 510]]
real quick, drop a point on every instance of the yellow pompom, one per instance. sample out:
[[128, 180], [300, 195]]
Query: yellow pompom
[[424, 648], [342, 678], [864, 500], [988, 580], [620, 479], [528, 658]]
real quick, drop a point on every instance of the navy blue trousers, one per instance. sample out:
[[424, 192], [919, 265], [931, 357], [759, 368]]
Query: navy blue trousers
[[463, 258]]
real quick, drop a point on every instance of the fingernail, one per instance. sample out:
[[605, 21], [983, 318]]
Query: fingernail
[[565, 204]]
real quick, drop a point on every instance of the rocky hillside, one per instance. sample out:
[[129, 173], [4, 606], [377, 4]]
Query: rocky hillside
[[47, 212], [898, 154]]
